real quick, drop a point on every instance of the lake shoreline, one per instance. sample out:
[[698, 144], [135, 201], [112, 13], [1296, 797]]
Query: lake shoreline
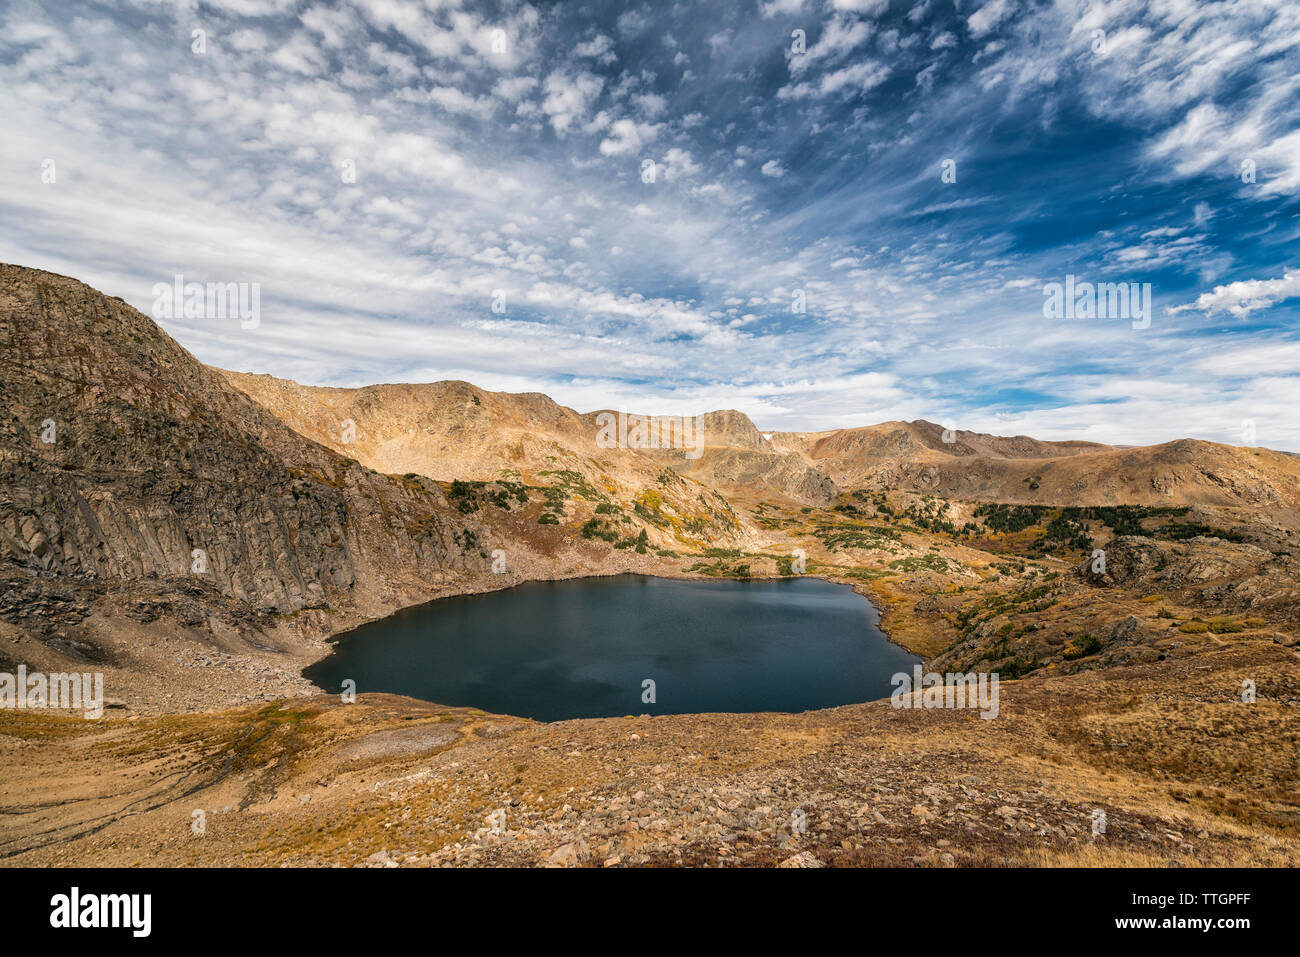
[[331, 640], [853, 662]]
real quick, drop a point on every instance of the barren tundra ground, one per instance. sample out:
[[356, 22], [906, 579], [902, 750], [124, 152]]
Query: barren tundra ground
[[1160, 686]]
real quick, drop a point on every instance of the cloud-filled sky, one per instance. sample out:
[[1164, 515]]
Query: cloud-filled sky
[[824, 213]]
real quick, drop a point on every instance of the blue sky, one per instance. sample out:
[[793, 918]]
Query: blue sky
[[500, 151]]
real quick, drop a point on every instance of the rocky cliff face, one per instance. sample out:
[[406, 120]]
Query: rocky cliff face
[[123, 457], [738, 471]]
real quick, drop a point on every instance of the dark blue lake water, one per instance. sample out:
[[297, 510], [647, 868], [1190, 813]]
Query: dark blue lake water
[[585, 648]]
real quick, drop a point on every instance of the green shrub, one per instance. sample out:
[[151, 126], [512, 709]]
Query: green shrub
[[1225, 626], [462, 494], [1082, 646]]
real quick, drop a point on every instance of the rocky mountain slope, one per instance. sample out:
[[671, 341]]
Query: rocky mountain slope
[[126, 462]]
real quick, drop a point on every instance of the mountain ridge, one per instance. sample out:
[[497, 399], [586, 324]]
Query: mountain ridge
[[809, 467]]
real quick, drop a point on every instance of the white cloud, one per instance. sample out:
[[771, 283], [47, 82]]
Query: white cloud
[[599, 47], [774, 8], [839, 36], [677, 163], [859, 78], [869, 8], [514, 88], [986, 18], [628, 136], [454, 101], [397, 65], [632, 22], [247, 41], [569, 97], [299, 55], [335, 27], [1276, 357], [1246, 296], [650, 105], [1214, 82]]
